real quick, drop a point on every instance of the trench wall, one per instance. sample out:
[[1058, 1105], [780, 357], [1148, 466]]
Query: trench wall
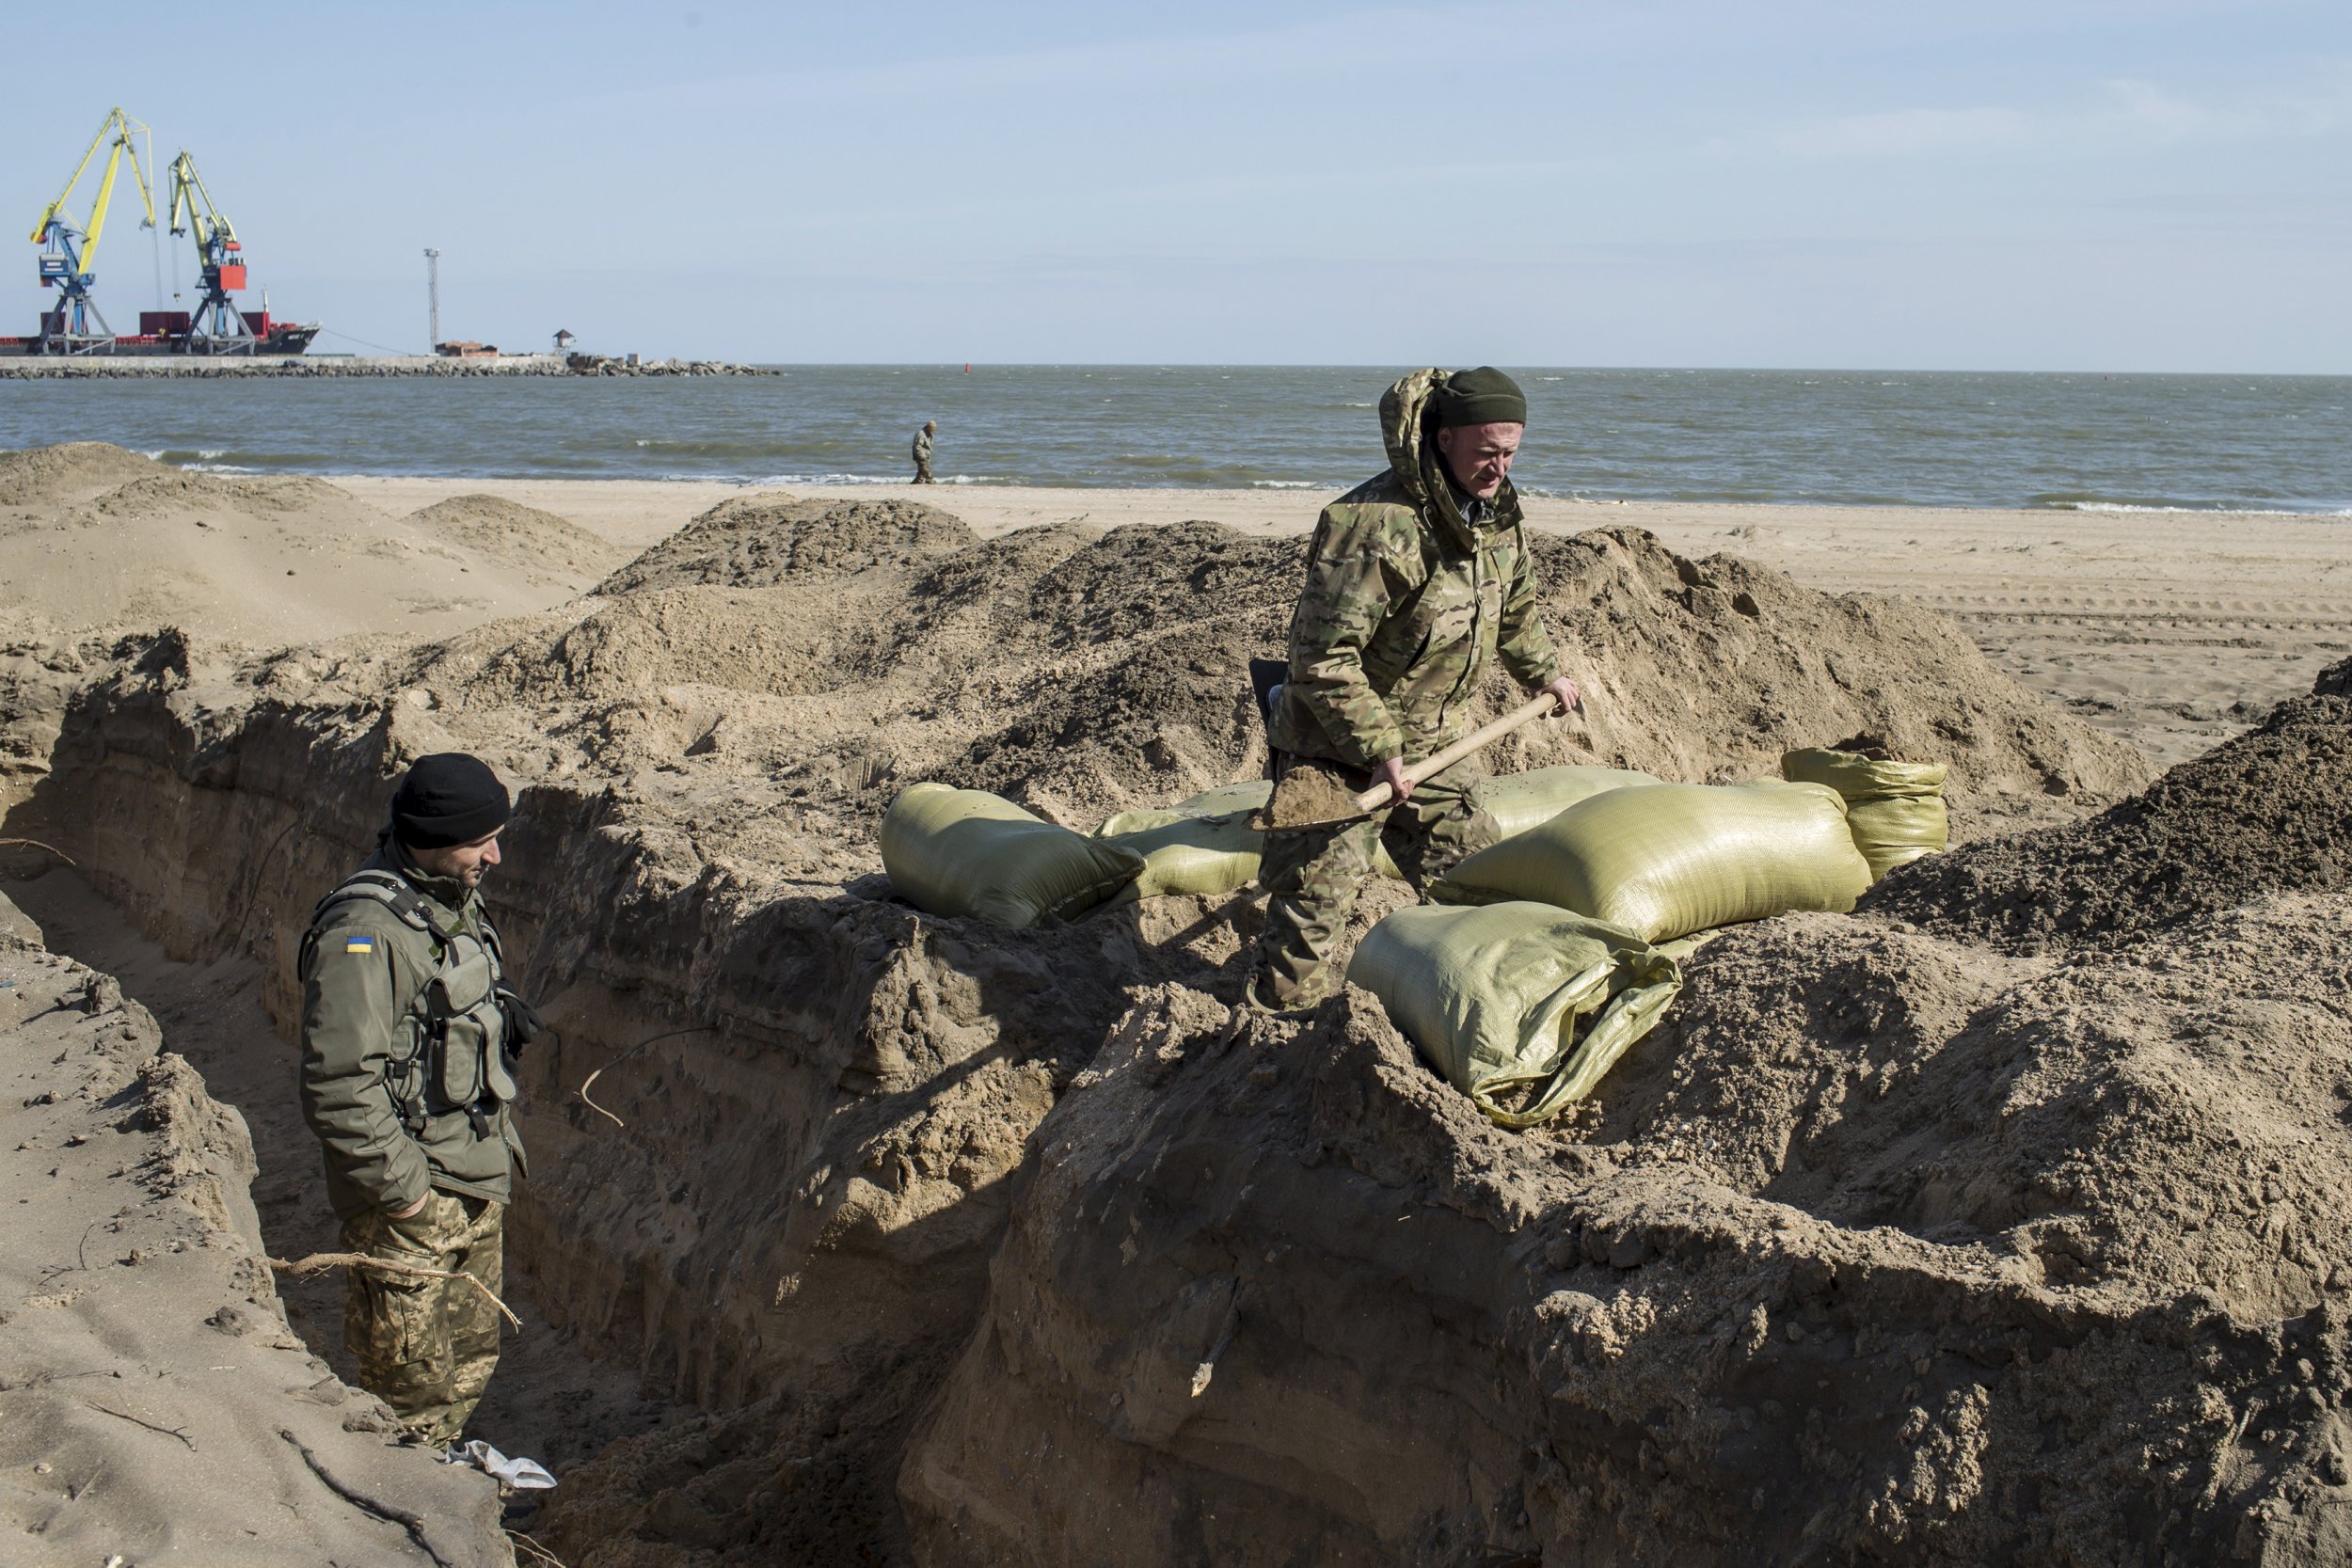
[[814, 1166]]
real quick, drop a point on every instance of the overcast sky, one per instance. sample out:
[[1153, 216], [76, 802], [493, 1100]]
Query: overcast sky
[[1998, 185]]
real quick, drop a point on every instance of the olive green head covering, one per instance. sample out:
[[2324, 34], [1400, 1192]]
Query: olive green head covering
[[1483, 396]]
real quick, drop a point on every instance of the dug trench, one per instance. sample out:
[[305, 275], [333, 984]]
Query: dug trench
[[957, 1244]]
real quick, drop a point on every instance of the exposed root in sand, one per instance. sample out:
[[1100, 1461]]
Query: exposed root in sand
[[181, 1432], [530, 1551], [588, 1082], [406, 1518]]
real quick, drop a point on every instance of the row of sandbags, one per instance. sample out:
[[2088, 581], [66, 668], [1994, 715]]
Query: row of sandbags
[[967, 852], [1543, 958], [1551, 952], [1208, 844], [1617, 846], [1564, 956], [1540, 964]]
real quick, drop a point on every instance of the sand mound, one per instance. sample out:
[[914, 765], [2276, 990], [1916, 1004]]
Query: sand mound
[[2270, 810], [717, 637], [74, 471], [498, 529], [1876, 1077], [1747, 663], [756, 542], [105, 541], [171, 493], [1086, 673]]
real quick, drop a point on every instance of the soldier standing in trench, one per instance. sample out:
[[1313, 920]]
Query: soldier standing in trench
[[408, 1038], [1417, 580]]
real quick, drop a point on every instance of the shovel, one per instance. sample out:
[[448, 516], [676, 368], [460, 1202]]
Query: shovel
[[1322, 804]]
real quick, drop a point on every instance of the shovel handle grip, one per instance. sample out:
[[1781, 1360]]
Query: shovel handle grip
[[1486, 735]]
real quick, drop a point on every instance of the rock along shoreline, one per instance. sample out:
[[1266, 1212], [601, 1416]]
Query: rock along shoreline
[[300, 366]]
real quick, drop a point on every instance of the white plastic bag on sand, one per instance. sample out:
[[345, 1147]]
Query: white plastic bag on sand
[[523, 1475], [1522, 1006]]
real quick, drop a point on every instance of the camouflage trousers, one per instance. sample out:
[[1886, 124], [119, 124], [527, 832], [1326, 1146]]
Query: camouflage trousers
[[922, 471], [1313, 876], [426, 1346]]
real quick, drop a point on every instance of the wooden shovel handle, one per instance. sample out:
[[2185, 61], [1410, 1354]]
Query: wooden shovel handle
[[1534, 707]]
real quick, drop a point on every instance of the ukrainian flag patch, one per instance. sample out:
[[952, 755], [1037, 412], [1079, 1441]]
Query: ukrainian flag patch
[[359, 944]]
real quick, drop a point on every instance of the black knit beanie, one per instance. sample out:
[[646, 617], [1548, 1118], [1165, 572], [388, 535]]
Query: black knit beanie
[[448, 798], [1483, 396]]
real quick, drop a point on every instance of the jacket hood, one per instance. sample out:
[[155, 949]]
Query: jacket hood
[[1409, 428]]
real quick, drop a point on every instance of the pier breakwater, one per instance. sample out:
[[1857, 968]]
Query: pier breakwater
[[149, 367]]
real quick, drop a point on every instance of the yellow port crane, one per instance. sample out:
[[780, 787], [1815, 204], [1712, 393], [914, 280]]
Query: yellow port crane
[[216, 326], [68, 250]]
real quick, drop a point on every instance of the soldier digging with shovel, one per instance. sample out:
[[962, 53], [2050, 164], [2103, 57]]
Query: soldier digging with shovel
[[1416, 581]]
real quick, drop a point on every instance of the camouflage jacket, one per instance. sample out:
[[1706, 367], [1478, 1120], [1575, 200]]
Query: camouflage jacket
[[364, 974], [1406, 605], [922, 446]]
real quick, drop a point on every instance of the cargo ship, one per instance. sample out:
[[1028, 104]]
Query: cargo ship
[[171, 332], [215, 327]]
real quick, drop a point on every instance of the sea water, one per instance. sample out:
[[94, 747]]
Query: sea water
[[2194, 442]]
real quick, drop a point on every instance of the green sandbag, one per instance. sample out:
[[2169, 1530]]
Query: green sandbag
[[1895, 810], [1495, 997], [1188, 854], [1519, 801], [1664, 861], [1857, 777], [1225, 800], [967, 852], [1204, 844], [1896, 832]]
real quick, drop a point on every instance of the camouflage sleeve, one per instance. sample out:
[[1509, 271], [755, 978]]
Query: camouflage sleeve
[[1527, 649], [1351, 583], [348, 1015]]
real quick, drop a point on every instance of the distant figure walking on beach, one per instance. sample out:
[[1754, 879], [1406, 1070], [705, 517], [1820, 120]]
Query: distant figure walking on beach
[[923, 452]]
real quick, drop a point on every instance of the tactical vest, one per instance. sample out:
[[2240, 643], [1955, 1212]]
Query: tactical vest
[[450, 1049]]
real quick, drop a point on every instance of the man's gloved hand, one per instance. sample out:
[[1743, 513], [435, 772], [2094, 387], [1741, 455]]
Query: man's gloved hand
[[523, 1023]]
